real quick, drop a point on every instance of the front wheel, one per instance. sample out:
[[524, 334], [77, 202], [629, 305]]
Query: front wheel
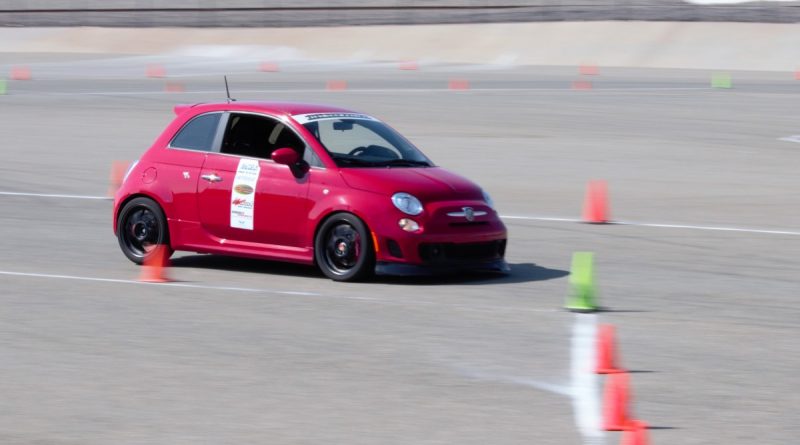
[[141, 226], [343, 248]]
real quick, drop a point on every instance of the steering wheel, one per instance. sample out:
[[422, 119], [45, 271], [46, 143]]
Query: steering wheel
[[377, 151], [358, 151]]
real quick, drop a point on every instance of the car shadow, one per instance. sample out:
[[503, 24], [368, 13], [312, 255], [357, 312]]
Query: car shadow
[[520, 273], [238, 264]]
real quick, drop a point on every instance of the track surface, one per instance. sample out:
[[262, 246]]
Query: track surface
[[251, 352]]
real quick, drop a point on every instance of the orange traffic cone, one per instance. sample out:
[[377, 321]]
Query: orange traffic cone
[[588, 70], [20, 73], [615, 403], [408, 65], [174, 87], [458, 84], [154, 265], [155, 70], [118, 169], [595, 208], [582, 85], [606, 351], [336, 85], [269, 67], [636, 434]]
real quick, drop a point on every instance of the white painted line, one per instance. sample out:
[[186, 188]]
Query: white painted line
[[168, 284], [720, 229], [519, 217], [584, 385], [544, 386], [468, 372], [585, 382], [396, 302], [50, 195], [665, 226], [792, 138]]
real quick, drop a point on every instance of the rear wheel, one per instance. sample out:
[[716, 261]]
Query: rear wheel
[[141, 226], [343, 248]]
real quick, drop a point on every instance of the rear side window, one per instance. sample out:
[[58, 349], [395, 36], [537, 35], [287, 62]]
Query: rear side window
[[198, 133]]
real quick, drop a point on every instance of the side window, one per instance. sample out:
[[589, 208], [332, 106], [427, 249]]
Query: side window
[[258, 136], [312, 158], [198, 133]]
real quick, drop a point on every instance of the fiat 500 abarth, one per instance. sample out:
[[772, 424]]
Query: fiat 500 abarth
[[303, 183]]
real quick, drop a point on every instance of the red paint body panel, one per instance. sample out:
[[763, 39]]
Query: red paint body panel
[[427, 184], [281, 210], [288, 209]]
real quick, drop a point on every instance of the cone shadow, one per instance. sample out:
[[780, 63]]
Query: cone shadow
[[620, 311]]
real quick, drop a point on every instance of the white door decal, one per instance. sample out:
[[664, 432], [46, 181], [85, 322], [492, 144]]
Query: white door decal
[[243, 194]]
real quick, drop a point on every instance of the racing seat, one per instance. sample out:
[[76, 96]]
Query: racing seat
[[246, 138]]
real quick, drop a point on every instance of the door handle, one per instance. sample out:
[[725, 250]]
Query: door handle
[[212, 177]]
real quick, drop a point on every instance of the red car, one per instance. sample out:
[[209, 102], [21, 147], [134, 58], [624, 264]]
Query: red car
[[303, 183]]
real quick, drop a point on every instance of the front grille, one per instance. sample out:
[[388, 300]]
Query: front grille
[[452, 253], [469, 224]]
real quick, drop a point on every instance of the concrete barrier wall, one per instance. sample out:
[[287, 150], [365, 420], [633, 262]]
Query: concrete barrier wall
[[275, 13], [734, 46]]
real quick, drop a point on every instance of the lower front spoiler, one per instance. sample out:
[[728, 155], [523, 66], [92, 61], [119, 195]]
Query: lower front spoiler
[[402, 269]]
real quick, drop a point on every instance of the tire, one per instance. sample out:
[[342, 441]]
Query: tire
[[343, 248], [141, 225]]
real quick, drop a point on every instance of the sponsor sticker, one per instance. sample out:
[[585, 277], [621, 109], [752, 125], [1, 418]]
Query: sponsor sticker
[[310, 117], [243, 189], [243, 200]]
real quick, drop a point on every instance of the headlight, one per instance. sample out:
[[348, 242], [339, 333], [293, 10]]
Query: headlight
[[487, 198], [407, 204], [409, 225]]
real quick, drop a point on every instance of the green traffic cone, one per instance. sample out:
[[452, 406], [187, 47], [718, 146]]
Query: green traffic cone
[[582, 296], [721, 80]]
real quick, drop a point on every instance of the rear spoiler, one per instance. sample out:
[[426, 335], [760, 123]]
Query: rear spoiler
[[181, 108]]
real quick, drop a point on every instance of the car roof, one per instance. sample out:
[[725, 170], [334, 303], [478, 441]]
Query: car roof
[[280, 108]]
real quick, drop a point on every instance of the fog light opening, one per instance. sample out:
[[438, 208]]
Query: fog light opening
[[409, 225]]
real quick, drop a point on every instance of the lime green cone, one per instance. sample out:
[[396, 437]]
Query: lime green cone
[[583, 294], [721, 80]]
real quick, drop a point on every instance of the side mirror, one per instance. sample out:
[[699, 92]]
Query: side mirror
[[285, 156]]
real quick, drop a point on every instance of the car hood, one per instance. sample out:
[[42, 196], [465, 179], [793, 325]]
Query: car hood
[[427, 184]]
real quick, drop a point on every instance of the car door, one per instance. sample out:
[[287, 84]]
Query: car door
[[179, 167], [245, 199]]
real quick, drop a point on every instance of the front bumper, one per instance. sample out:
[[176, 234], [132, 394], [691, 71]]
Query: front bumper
[[446, 242]]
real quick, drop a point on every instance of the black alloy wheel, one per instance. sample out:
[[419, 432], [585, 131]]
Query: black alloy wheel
[[141, 226], [343, 248]]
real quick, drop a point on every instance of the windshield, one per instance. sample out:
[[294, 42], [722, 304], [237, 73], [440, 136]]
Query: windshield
[[363, 142]]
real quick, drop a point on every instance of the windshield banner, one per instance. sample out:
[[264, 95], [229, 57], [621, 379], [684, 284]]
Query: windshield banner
[[310, 117]]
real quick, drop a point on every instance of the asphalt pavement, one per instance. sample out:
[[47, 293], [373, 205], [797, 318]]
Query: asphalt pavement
[[250, 352]]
